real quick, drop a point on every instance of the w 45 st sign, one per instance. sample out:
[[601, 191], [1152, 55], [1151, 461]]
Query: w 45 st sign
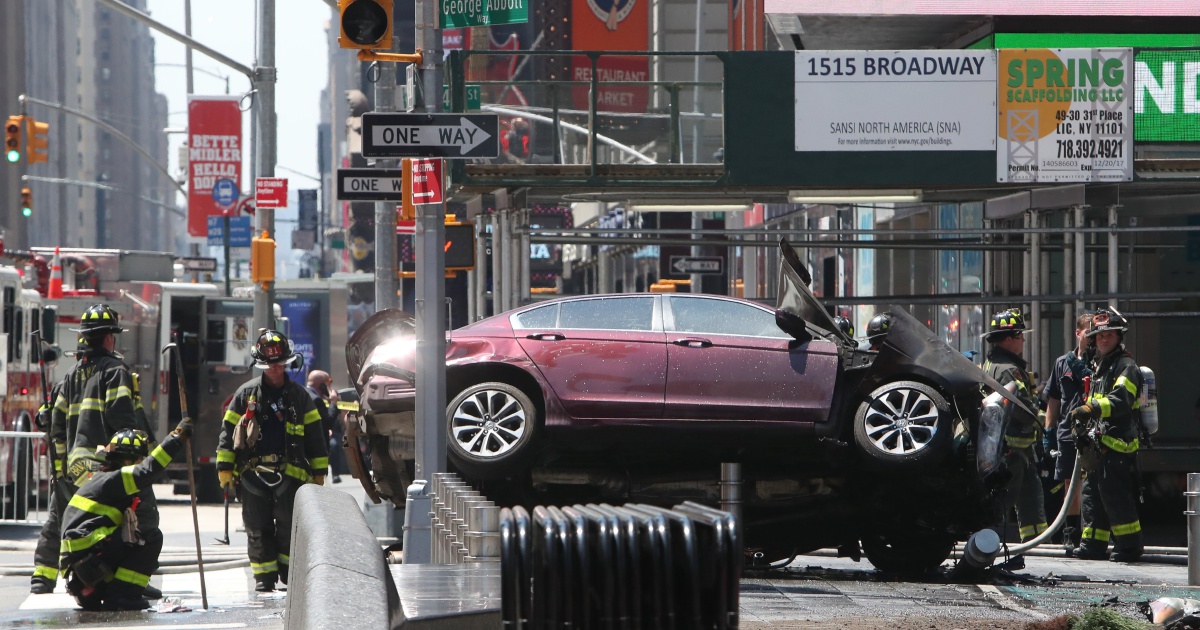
[[447, 136]]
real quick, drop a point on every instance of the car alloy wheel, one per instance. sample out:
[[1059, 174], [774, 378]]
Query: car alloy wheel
[[903, 423], [491, 427]]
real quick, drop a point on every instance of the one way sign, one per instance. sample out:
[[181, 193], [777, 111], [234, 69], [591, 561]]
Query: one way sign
[[448, 136], [370, 184], [697, 264]]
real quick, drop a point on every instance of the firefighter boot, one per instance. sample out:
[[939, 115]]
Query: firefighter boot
[[122, 596], [40, 586], [1070, 535], [1090, 552], [152, 593], [264, 585]]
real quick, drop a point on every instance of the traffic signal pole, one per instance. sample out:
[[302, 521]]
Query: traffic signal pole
[[386, 268]]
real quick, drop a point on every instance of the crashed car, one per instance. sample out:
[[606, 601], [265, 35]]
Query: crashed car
[[641, 397]]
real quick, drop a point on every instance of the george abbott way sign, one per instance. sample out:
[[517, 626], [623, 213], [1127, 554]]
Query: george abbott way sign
[[370, 184], [430, 135]]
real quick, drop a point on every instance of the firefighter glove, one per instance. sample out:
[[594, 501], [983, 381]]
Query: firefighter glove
[[1083, 413], [183, 430], [42, 419], [319, 480], [226, 478]]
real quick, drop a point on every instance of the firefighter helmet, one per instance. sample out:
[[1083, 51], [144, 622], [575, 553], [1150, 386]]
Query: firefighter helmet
[[844, 325], [1107, 318], [878, 326], [1006, 322], [127, 444], [272, 347], [98, 318]]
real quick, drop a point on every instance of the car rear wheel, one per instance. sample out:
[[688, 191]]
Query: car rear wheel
[[907, 554], [491, 428], [904, 423]]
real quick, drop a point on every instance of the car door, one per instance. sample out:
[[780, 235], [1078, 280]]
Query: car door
[[604, 357], [728, 360]]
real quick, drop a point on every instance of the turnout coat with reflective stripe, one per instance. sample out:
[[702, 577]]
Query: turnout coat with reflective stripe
[[1006, 368], [98, 509], [306, 451], [1116, 382], [97, 398]]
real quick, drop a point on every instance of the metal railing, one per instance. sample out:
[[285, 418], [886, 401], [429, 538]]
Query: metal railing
[[25, 491], [465, 525]]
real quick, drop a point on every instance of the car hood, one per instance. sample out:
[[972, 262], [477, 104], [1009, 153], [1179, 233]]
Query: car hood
[[385, 343]]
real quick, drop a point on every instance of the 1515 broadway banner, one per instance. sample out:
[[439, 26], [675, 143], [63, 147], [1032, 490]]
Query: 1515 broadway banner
[[214, 153], [1065, 115], [895, 100]]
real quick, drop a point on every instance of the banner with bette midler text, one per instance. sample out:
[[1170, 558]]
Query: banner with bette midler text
[[214, 153]]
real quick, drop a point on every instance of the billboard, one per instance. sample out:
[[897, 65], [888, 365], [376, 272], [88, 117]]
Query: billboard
[[611, 25], [895, 100], [306, 316], [1166, 105], [1065, 115], [214, 153]]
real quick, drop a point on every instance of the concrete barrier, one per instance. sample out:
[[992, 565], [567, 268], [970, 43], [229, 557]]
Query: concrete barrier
[[338, 578]]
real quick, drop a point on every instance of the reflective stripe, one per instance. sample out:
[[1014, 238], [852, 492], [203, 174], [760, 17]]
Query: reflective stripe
[[312, 416], [225, 457], [91, 404], [232, 417], [87, 505], [1091, 533], [1105, 406], [161, 456], [1127, 528], [1119, 445], [264, 567], [320, 463], [79, 544], [284, 559], [296, 471], [1019, 442], [132, 577], [128, 480], [50, 573], [295, 429], [114, 393], [1130, 386]]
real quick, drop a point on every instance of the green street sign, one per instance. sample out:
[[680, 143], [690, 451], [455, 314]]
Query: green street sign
[[474, 97], [460, 13], [1167, 106]]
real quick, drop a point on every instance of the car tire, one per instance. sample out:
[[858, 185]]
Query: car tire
[[907, 555], [903, 424], [491, 429]]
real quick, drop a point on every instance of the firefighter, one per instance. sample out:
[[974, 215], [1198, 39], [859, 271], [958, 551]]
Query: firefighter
[[1064, 392], [877, 329], [45, 555], [1106, 428], [1006, 334], [271, 443], [106, 562], [97, 398]]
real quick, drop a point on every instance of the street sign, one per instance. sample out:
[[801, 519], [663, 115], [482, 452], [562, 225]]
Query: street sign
[[198, 264], [703, 265], [427, 180], [430, 135], [474, 97], [406, 228], [270, 192], [459, 13], [370, 184], [225, 192], [239, 231]]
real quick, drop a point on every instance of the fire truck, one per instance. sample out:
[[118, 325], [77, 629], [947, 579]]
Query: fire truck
[[212, 332]]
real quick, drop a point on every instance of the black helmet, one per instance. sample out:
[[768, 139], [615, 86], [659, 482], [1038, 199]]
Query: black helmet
[[1107, 318], [1008, 321], [127, 444], [272, 347], [844, 325], [98, 318], [878, 325]]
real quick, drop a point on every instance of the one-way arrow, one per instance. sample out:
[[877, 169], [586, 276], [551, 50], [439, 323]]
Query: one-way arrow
[[430, 135], [708, 265]]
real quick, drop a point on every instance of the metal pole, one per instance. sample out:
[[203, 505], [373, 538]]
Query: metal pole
[[1068, 276], [1080, 258], [187, 30], [1193, 520], [500, 262], [523, 252], [1032, 351], [228, 255], [731, 493], [386, 264], [482, 232], [1112, 254], [264, 137]]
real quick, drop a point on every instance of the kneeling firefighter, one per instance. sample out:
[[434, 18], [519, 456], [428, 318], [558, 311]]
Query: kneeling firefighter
[[271, 443], [106, 560]]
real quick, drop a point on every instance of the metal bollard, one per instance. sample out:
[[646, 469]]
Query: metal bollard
[[1193, 520], [731, 493], [483, 532]]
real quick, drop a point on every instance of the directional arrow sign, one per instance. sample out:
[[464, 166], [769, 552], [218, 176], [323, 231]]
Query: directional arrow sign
[[697, 264], [430, 135], [370, 184]]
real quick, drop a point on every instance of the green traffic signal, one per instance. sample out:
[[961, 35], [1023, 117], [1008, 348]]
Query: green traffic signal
[[13, 155], [27, 211]]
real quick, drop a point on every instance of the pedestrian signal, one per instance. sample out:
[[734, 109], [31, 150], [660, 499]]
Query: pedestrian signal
[[12, 138], [26, 202], [36, 147], [366, 24]]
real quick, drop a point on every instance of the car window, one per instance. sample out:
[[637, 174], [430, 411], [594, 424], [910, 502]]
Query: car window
[[723, 317], [631, 313], [541, 317]]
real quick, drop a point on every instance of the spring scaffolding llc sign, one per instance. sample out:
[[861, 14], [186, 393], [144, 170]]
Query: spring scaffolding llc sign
[[895, 100], [1065, 115]]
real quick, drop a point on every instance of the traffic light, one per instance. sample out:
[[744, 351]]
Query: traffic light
[[12, 138], [366, 24], [36, 142], [262, 258], [26, 202]]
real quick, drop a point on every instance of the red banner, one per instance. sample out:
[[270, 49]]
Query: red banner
[[612, 25], [214, 153]]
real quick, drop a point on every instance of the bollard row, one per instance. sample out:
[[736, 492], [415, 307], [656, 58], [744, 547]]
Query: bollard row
[[465, 525], [632, 566]]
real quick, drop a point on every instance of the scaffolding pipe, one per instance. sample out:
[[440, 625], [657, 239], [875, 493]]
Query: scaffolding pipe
[[1068, 276], [523, 252], [498, 270], [1080, 258], [1112, 253], [1193, 524]]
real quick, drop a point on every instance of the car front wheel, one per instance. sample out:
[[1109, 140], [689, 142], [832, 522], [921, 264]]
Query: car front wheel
[[903, 423], [491, 428]]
